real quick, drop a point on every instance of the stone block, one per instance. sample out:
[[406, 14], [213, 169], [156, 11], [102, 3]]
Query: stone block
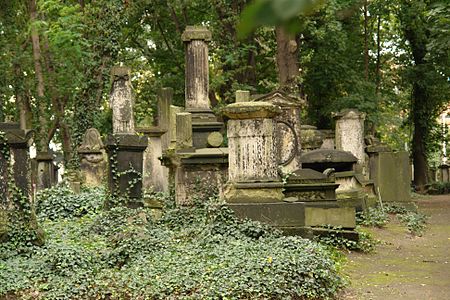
[[335, 216], [391, 174]]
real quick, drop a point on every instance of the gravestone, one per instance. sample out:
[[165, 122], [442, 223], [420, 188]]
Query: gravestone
[[122, 101], [391, 174], [253, 153], [93, 162], [204, 121], [45, 170], [350, 133], [125, 149], [288, 129], [16, 204]]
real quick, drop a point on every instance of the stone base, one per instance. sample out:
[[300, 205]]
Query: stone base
[[311, 191], [258, 192], [297, 214], [201, 131]]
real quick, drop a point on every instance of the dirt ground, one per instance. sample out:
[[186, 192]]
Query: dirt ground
[[403, 266]]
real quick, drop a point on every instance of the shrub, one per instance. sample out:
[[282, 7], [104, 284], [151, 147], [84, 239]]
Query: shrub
[[415, 222], [373, 216], [190, 253], [60, 202]]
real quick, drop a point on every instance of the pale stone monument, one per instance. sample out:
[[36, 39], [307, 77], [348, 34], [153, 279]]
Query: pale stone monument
[[122, 101], [173, 111], [288, 129], [93, 162], [204, 121], [165, 96], [350, 133], [253, 153]]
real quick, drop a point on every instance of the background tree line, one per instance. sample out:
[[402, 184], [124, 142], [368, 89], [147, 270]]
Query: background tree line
[[387, 58]]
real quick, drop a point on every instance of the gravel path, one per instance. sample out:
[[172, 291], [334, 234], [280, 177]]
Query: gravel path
[[403, 266]]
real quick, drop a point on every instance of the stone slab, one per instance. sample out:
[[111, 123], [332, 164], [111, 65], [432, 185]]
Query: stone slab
[[338, 216]]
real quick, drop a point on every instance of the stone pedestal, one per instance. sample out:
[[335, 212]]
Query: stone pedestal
[[122, 101], [125, 154], [253, 153], [93, 163], [350, 133], [204, 122], [15, 188], [155, 175]]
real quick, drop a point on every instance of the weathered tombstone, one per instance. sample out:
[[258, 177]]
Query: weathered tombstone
[[45, 170], [328, 139], [122, 101], [16, 205], [391, 174], [165, 96], [125, 154], [184, 131], [444, 173], [311, 137], [350, 133], [155, 175], [288, 130], [253, 153], [125, 149], [173, 111], [204, 121], [93, 162]]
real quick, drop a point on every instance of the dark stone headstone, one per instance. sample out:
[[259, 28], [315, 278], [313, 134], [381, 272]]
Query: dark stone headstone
[[125, 154]]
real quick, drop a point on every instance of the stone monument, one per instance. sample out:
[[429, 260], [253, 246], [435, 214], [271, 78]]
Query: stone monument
[[122, 101], [15, 188], [93, 162], [288, 129], [253, 153], [204, 122], [350, 133], [125, 149]]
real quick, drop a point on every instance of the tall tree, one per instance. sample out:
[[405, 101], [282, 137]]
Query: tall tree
[[429, 88]]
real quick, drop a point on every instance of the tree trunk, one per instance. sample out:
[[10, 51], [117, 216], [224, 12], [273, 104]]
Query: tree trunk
[[378, 67], [287, 60], [419, 137], [421, 111], [42, 145], [366, 46]]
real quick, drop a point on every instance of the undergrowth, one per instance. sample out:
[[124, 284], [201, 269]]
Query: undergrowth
[[201, 252], [414, 221]]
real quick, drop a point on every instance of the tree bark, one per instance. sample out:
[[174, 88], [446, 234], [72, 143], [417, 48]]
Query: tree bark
[[378, 67], [287, 59], [366, 46], [420, 103], [42, 145]]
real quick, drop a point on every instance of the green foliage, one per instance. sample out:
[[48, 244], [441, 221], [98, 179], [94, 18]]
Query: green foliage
[[199, 252], [438, 188], [61, 202], [336, 238], [415, 222], [373, 216]]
